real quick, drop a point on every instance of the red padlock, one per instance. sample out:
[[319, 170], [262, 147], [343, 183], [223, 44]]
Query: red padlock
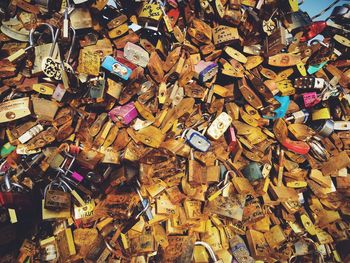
[[313, 30], [231, 139]]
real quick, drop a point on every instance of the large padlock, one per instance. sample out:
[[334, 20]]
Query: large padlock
[[56, 199], [43, 50]]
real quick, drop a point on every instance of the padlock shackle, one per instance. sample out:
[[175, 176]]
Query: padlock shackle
[[208, 248], [143, 210], [72, 44], [32, 31]]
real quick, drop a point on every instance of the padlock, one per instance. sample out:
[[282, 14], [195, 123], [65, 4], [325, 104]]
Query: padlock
[[253, 172], [296, 20], [219, 126], [113, 66], [14, 109], [126, 113], [56, 199], [44, 50], [301, 116], [239, 249], [197, 140], [205, 70], [97, 86], [210, 250]]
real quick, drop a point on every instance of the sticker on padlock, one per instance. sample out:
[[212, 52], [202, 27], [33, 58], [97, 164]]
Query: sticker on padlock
[[197, 140], [116, 68], [310, 99], [219, 126]]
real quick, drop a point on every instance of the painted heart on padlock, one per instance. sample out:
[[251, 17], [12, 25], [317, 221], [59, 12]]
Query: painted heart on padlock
[[53, 69]]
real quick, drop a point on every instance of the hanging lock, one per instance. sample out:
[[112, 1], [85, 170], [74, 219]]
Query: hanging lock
[[56, 68], [56, 199], [197, 140], [205, 70], [310, 99], [309, 83], [146, 209], [232, 139], [219, 125], [281, 111], [31, 133]]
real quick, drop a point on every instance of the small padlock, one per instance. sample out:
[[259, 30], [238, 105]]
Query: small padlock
[[113, 66], [301, 116], [197, 140], [253, 172], [126, 113], [219, 125]]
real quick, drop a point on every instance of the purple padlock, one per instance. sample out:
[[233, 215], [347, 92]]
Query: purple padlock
[[77, 177], [126, 113], [310, 99]]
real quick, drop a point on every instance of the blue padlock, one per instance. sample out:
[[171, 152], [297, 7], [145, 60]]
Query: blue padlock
[[281, 111], [253, 172], [314, 68], [112, 65], [197, 140]]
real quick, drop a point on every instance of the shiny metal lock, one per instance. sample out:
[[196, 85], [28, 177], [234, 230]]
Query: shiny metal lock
[[219, 126], [136, 54], [296, 20], [43, 50], [301, 116], [240, 250], [197, 140], [113, 66], [253, 172], [213, 257]]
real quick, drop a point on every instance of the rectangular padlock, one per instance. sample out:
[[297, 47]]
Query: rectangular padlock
[[197, 140], [310, 99], [55, 199], [219, 125], [113, 66], [126, 113]]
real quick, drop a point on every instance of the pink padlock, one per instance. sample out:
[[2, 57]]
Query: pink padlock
[[232, 139], [310, 99], [126, 113], [77, 177]]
